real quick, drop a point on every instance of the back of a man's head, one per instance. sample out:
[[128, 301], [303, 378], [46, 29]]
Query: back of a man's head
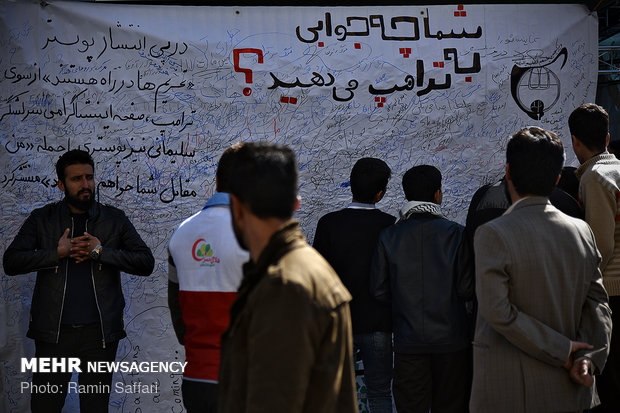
[[224, 167], [264, 178], [72, 157], [421, 182], [589, 123], [369, 176], [535, 157]]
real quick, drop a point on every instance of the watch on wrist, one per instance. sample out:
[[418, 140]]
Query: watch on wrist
[[95, 254]]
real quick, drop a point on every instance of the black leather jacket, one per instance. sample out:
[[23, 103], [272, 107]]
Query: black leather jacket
[[35, 249], [422, 266]]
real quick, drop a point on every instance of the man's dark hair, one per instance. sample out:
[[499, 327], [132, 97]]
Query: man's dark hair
[[368, 177], [72, 157], [535, 157], [224, 167], [421, 182], [614, 147], [590, 124], [569, 182], [264, 178]]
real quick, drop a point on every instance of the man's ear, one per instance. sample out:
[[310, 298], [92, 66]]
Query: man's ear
[[438, 197], [236, 208], [607, 141], [61, 186], [379, 195], [297, 203]]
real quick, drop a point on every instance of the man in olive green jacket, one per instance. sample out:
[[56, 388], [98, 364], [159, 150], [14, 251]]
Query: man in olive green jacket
[[289, 344]]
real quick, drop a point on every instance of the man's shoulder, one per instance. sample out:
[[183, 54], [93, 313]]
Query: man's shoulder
[[430, 220], [353, 213], [205, 214], [111, 209], [599, 165], [544, 218], [416, 224], [449, 223], [352, 216], [107, 211], [607, 174], [490, 196], [304, 270], [332, 216], [47, 208], [204, 223]]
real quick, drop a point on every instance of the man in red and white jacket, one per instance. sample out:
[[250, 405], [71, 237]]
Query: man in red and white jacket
[[205, 263]]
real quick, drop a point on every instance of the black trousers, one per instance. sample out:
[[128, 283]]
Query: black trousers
[[49, 390], [437, 382], [608, 383], [199, 397]]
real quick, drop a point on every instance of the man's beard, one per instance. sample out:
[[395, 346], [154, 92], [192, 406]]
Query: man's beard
[[80, 204], [238, 234]]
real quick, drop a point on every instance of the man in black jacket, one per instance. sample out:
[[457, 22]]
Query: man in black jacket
[[78, 247], [347, 239], [422, 267]]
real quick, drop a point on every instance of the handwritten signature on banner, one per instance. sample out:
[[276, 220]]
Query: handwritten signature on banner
[[364, 24]]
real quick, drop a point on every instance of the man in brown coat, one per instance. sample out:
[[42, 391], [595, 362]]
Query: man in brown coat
[[289, 344]]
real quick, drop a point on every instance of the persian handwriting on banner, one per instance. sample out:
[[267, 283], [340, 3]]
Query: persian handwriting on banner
[[154, 151], [15, 146], [156, 51], [163, 87], [73, 108], [360, 26], [317, 80], [79, 113], [10, 74], [12, 179], [410, 82], [166, 196]]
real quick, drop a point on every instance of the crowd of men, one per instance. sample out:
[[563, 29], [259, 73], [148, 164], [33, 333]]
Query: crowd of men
[[510, 313]]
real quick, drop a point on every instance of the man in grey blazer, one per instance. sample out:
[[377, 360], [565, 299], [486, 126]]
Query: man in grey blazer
[[544, 325]]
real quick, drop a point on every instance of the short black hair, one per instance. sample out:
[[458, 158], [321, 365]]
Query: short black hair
[[264, 178], [569, 182], [368, 177], [421, 182], [589, 123], [224, 167], [535, 157], [72, 157]]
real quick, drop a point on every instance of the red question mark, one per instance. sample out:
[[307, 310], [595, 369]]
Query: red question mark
[[248, 72]]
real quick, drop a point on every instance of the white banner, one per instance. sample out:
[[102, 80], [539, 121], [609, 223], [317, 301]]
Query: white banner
[[156, 93]]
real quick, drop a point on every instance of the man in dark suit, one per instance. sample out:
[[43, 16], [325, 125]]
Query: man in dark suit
[[544, 324], [347, 239]]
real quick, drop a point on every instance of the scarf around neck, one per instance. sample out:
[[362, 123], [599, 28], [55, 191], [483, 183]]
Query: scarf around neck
[[415, 207]]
